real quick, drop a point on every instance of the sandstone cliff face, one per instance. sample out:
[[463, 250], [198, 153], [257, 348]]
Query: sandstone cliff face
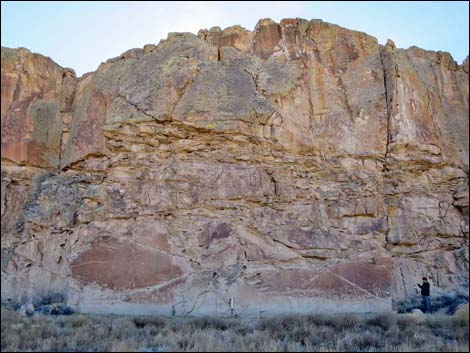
[[299, 167]]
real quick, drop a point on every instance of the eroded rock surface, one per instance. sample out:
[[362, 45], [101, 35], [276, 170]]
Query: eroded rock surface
[[298, 167]]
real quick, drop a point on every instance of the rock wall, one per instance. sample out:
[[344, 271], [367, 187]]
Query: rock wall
[[298, 167]]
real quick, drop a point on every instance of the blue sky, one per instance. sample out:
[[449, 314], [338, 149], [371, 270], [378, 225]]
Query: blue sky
[[81, 35]]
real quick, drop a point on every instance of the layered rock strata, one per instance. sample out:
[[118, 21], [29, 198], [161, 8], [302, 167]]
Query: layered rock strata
[[298, 167]]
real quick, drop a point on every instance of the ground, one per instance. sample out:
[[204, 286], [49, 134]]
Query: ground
[[366, 332]]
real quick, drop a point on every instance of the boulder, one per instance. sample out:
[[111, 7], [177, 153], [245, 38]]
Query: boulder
[[26, 309]]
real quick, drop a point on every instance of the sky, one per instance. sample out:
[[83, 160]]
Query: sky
[[81, 35]]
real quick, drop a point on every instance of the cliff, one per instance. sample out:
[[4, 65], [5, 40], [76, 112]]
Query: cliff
[[298, 167]]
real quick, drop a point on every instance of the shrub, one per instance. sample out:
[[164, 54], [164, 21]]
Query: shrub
[[444, 304], [384, 331], [362, 341], [155, 321], [383, 320], [462, 313], [205, 323], [405, 320]]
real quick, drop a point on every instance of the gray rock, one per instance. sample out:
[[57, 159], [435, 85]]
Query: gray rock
[[60, 309], [26, 309], [44, 309]]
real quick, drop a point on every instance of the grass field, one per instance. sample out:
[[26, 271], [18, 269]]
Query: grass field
[[374, 332]]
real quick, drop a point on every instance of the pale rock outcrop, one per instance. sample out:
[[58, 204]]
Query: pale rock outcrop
[[35, 94], [298, 167], [426, 168]]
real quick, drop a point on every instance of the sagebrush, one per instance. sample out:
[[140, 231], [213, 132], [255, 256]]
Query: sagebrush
[[373, 332]]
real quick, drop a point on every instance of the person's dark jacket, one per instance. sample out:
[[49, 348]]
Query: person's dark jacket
[[424, 289]]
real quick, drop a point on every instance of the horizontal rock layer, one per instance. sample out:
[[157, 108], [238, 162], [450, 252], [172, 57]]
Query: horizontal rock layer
[[299, 167]]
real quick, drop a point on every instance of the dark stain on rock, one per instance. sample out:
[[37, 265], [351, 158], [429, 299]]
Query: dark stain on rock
[[121, 265]]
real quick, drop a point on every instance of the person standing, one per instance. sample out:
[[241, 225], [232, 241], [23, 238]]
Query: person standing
[[425, 292]]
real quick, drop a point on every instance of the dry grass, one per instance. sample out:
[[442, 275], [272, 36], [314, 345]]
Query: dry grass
[[379, 332]]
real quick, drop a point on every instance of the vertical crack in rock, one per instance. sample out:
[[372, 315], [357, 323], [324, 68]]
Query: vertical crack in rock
[[390, 72], [346, 99], [309, 92], [254, 77], [60, 149], [69, 100], [387, 104], [389, 97], [276, 191], [185, 88]]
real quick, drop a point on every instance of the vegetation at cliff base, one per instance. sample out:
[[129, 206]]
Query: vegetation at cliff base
[[346, 332]]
